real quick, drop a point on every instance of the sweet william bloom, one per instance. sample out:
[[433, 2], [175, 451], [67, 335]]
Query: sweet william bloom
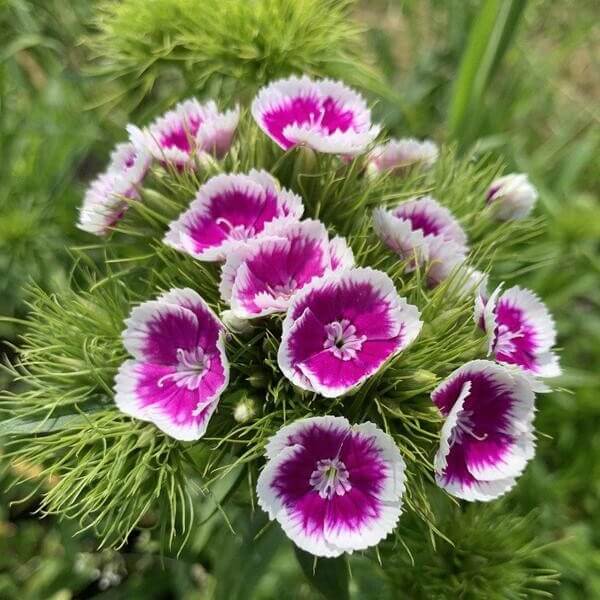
[[260, 278], [105, 202], [106, 199], [131, 161], [399, 155], [229, 209], [511, 197], [333, 487], [340, 329], [188, 131], [487, 437], [324, 115], [421, 231], [179, 367], [520, 330]]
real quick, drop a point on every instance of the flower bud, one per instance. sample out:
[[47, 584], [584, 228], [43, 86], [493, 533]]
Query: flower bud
[[244, 410], [235, 324], [511, 197]]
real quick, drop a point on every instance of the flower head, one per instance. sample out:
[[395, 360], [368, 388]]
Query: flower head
[[105, 202], [229, 209], [131, 161], [325, 115], [421, 231], [106, 199], [520, 330], [179, 367], [261, 277], [399, 155], [487, 437], [332, 486], [188, 131], [511, 197], [340, 329]]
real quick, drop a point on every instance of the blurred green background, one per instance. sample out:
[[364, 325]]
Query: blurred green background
[[518, 79]]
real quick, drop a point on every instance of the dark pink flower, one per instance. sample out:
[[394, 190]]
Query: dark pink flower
[[487, 437], [520, 330], [187, 132], [229, 209], [324, 115], [261, 277], [332, 486], [341, 329], [422, 231], [179, 367]]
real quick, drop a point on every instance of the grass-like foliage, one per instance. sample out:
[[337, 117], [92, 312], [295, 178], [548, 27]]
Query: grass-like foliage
[[176, 47], [112, 473], [494, 554]]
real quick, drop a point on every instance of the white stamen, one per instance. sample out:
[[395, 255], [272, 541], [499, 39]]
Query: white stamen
[[504, 340], [330, 478], [192, 365], [342, 339], [464, 426], [239, 233]]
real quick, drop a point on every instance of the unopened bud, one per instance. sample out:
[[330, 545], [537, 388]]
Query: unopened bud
[[244, 410]]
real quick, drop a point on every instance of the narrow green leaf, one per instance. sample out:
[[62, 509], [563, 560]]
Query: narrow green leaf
[[327, 575], [492, 31], [45, 425]]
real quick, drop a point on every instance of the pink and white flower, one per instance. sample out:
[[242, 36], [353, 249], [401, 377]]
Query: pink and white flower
[[340, 329], [105, 202], [229, 210], [179, 366], [333, 487], [487, 437], [421, 231], [399, 155], [511, 197], [260, 278], [520, 330], [131, 161], [187, 132], [324, 115], [107, 198]]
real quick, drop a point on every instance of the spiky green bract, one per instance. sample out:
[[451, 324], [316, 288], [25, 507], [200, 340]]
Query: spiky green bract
[[171, 48], [113, 470], [105, 470], [493, 554]]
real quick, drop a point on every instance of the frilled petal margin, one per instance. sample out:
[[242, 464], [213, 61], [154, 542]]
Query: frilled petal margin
[[332, 486], [487, 437], [322, 114], [341, 328], [229, 209]]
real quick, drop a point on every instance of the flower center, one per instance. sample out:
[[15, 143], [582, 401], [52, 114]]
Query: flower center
[[191, 366], [239, 233], [342, 340], [330, 478], [283, 290], [464, 427], [505, 340]]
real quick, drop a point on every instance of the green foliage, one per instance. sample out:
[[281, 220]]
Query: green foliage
[[492, 555], [40, 90], [489, 37], [112, 471], [170, 48]]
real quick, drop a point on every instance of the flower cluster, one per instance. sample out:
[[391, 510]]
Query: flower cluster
[[333, 486]]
